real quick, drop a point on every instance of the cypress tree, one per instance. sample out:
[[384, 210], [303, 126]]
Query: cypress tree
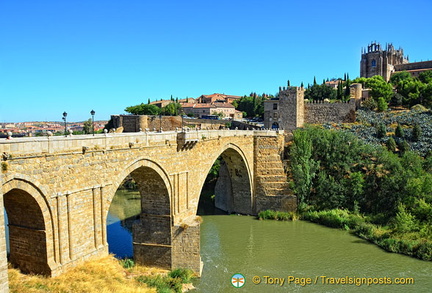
[[416, 133], [302, 85], [347, 92], [339, 92], [381, 130], [399, 131], [391, 144], [148, 101], [289, 84], [315, 81]]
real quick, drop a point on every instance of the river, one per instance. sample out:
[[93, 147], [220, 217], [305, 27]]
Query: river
[[232, 244]]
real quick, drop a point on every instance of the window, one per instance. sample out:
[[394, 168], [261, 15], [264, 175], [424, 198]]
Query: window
[[373, 63], [275, 106]]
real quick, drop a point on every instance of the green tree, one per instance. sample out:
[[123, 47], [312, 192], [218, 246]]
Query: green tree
[[379, 88], [302, 165], [320, 92], [426, 76], [397, 78], [399, 132], [143, 109], [381, 130], [403, 146], [88, 126], [339, 91], [391, 144], [172, 109], [416, 133], [382, 104]]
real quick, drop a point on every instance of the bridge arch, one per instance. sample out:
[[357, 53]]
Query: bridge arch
[[31, 226], [152, 232], [234, 188]]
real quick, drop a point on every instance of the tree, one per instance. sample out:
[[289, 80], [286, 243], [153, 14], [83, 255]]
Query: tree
[[320, 92], [88, 126], [143, 109], [148, 101], [172, 109], [379, 88], [382, 104], [403, 146], [381, 130], [391, 144], [399, 77], [426, 76], [416, 133], [399, 131], [339, 91]]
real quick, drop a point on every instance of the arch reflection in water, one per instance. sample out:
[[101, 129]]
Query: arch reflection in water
[[124, 210]]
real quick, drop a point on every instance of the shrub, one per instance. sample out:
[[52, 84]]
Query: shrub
[[279, 216], [370, 104], [127, 263], [185, 275]]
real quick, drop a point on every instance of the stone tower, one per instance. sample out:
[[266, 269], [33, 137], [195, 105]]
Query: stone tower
[[286, 111], [376, 61]]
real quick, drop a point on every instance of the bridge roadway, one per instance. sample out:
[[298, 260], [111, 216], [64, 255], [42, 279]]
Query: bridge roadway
[[57, 192]]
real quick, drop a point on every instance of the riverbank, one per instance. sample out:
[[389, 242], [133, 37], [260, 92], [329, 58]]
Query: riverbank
[[103, 275], [390, 238]]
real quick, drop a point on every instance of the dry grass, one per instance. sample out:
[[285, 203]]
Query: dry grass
[[94, 276]]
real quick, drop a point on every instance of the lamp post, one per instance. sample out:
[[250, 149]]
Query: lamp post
[[160, 122], [64, 119], [92, 112]]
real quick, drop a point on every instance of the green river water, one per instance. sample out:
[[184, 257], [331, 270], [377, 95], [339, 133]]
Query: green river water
[[232, 244]]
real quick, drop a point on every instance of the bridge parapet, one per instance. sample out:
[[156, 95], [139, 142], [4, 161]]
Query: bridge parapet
[[83, 143]]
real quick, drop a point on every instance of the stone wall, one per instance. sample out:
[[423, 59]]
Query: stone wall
[[322, 112], [136, 123], [414, 66]]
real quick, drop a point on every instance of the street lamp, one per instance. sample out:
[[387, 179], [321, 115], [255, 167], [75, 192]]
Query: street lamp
[[64, 119], [160, 122], [92, 112]]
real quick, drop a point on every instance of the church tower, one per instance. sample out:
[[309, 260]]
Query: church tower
[[376, 61]]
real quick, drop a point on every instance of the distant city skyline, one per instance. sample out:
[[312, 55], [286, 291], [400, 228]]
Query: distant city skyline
[[76, 56]]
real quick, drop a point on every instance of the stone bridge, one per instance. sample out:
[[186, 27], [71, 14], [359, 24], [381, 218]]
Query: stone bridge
[[57, 192]]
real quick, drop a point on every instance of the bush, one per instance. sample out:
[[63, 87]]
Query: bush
[[279, 216], [370, 104], [127, 263], [185, 275]]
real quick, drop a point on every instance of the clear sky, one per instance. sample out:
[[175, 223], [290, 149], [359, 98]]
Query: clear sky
[[79, 55]]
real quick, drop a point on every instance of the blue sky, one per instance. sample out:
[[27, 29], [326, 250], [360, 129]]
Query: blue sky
[[75, 56]]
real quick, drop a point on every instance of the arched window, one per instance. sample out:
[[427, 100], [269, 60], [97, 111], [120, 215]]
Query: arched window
[[373, 63]]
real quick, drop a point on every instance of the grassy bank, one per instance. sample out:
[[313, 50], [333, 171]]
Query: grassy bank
[[392, 238], [103, 275]]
